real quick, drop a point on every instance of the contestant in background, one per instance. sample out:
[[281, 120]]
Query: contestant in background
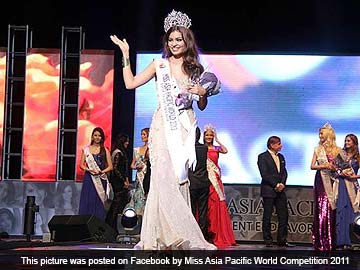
[[325, 190], [220, 226], [139, 163], [147, 176], [96, 191], [348, 196], [119, 179], [168, 221]]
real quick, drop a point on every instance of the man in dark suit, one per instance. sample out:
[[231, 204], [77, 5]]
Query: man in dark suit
[[199, 185], [273, 173]]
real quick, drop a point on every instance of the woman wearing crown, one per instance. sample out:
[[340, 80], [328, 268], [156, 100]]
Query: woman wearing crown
[[220, 226], [168, 222], [325, 190]]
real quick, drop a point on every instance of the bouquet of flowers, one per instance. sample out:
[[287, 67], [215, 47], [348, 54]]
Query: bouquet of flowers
[[343, 166]]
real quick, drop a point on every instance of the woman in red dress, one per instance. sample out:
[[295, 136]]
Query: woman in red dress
[[220, 229]]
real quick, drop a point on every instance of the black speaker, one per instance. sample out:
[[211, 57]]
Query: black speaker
[[80, 228]]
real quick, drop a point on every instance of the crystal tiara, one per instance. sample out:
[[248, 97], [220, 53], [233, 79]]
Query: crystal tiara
[[209, 127], [327, 125], [176, 18]]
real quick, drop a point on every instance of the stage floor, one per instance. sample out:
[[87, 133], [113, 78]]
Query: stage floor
[[22, 254], [38, 244]]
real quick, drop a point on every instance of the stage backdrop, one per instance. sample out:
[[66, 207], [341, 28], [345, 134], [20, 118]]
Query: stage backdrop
[[244, 204], [291, 96], [40, 134], [2, 95], [246, 207], [95, 103]]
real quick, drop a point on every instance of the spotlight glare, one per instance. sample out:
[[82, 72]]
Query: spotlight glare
[[129, 212], [357, 220], [129, 219]]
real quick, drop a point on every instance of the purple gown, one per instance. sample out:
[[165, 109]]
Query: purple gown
[[90, 203], [324, 223], [344, 212]]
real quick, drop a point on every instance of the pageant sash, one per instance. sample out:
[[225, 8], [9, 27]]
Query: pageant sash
[[91, 163], [352, 187], [331, 190], [214, 171], [357, 201], [183, 156], [140, 174], [114, 154]]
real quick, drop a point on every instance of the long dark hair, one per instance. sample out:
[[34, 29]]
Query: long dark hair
[[355, 148], [102, 147], [120, 141], [147, 131], [191, 64]]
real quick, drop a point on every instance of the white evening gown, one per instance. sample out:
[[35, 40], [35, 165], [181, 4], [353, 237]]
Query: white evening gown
[[168, 221]]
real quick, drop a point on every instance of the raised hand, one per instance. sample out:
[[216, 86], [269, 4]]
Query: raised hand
[[123, 45]]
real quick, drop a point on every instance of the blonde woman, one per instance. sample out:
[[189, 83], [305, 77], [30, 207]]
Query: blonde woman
[[325, 190]]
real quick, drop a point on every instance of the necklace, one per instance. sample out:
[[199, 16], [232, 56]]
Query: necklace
[[96, 147]]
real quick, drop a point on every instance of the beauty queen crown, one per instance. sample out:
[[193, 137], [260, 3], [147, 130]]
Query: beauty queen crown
[[327, 125], [209, 127], [176, 18]]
